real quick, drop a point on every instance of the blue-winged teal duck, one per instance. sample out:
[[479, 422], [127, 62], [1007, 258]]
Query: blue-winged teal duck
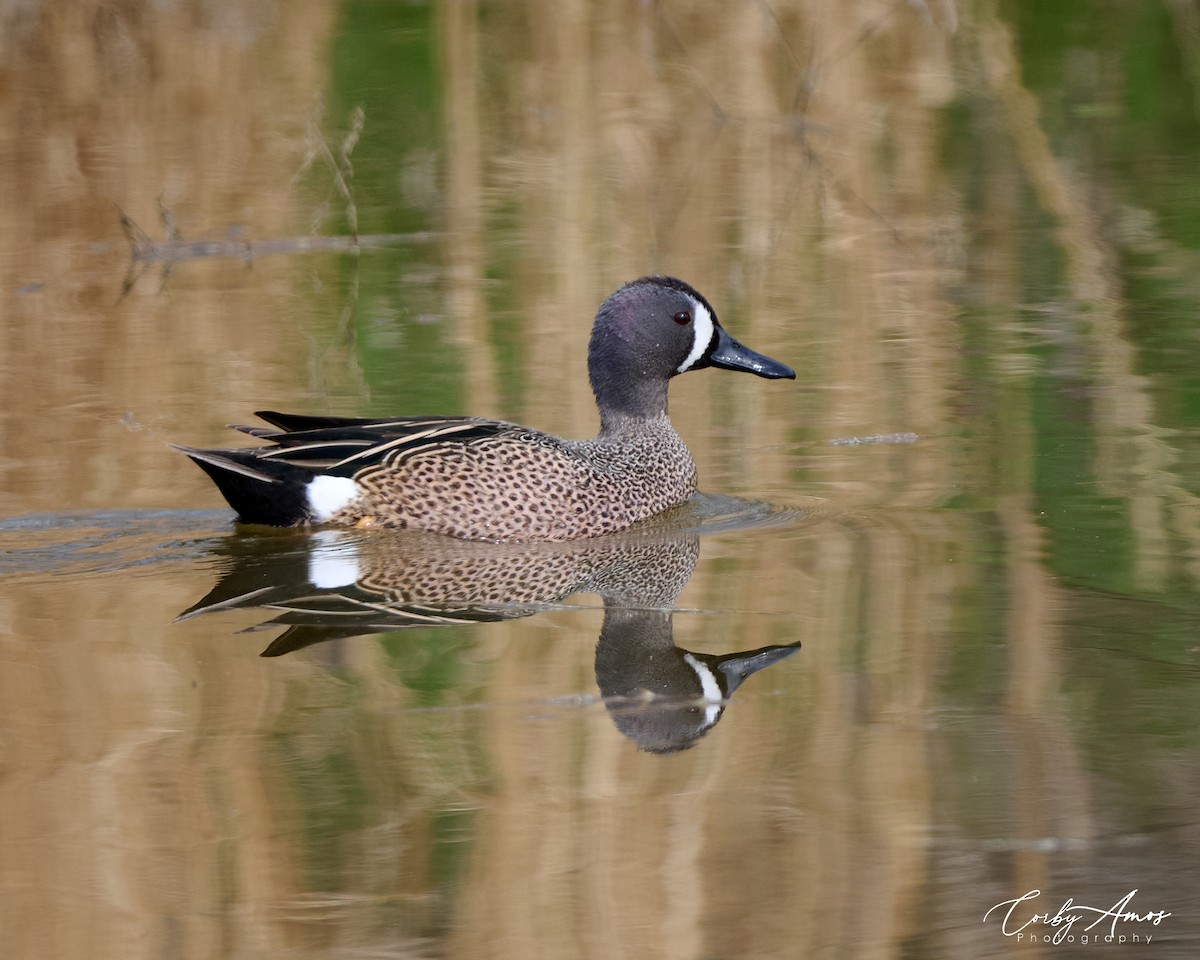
[[489, 480]]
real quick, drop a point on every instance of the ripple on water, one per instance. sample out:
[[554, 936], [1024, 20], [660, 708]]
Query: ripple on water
[[70, 543], [75, 543]]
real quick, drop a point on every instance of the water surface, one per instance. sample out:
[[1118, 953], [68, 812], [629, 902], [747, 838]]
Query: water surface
[[972, 231]]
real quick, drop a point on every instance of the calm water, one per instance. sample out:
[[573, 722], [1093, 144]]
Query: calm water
[[951, 571]]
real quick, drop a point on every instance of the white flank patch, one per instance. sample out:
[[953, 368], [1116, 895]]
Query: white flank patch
[[712, 690], [702, 323], [327, 495], [333, 561]]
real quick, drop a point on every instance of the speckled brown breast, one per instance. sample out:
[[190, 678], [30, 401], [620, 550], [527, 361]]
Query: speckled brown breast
[[525, 485]]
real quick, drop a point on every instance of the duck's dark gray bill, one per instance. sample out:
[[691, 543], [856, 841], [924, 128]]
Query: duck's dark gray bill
[[728, 354]]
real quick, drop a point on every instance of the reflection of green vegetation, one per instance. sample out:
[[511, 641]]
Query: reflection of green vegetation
[[1089, 540], [383, 60], [1155, 151], [330, 799], [1117, 102], [428, 661], [508, 322], [343, 787], [453, 829], [344, 784]]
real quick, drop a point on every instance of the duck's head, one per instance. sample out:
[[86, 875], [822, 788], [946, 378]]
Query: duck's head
[[653, 329]]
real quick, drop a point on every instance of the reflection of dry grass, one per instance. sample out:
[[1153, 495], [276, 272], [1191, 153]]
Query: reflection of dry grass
[[127, 805], [113, 107]]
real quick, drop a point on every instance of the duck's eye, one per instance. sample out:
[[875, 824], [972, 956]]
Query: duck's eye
[[683, 317]]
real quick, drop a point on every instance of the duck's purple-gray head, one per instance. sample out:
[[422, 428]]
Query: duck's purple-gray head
[[651, 330]]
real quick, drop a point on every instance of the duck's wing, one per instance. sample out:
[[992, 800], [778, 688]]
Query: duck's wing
[[295, 422], [342, 446], [272, 484]]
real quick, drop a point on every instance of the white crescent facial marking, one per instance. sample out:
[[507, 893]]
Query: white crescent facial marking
[[327, 495], [713, 698], [702, 326], [333, 560]]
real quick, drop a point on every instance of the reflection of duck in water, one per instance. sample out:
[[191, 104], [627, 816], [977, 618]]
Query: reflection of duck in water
[[340, 584], [662, 697]]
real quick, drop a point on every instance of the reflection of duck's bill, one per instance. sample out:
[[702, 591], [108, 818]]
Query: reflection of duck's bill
[[735, 668]]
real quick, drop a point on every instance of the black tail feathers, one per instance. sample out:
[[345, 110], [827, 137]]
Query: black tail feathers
[[269, 492]]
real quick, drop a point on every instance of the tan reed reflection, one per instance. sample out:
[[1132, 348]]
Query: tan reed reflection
[[196, 109], [124, 820]]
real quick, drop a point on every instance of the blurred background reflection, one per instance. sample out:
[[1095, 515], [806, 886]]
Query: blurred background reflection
[[974, 231]]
